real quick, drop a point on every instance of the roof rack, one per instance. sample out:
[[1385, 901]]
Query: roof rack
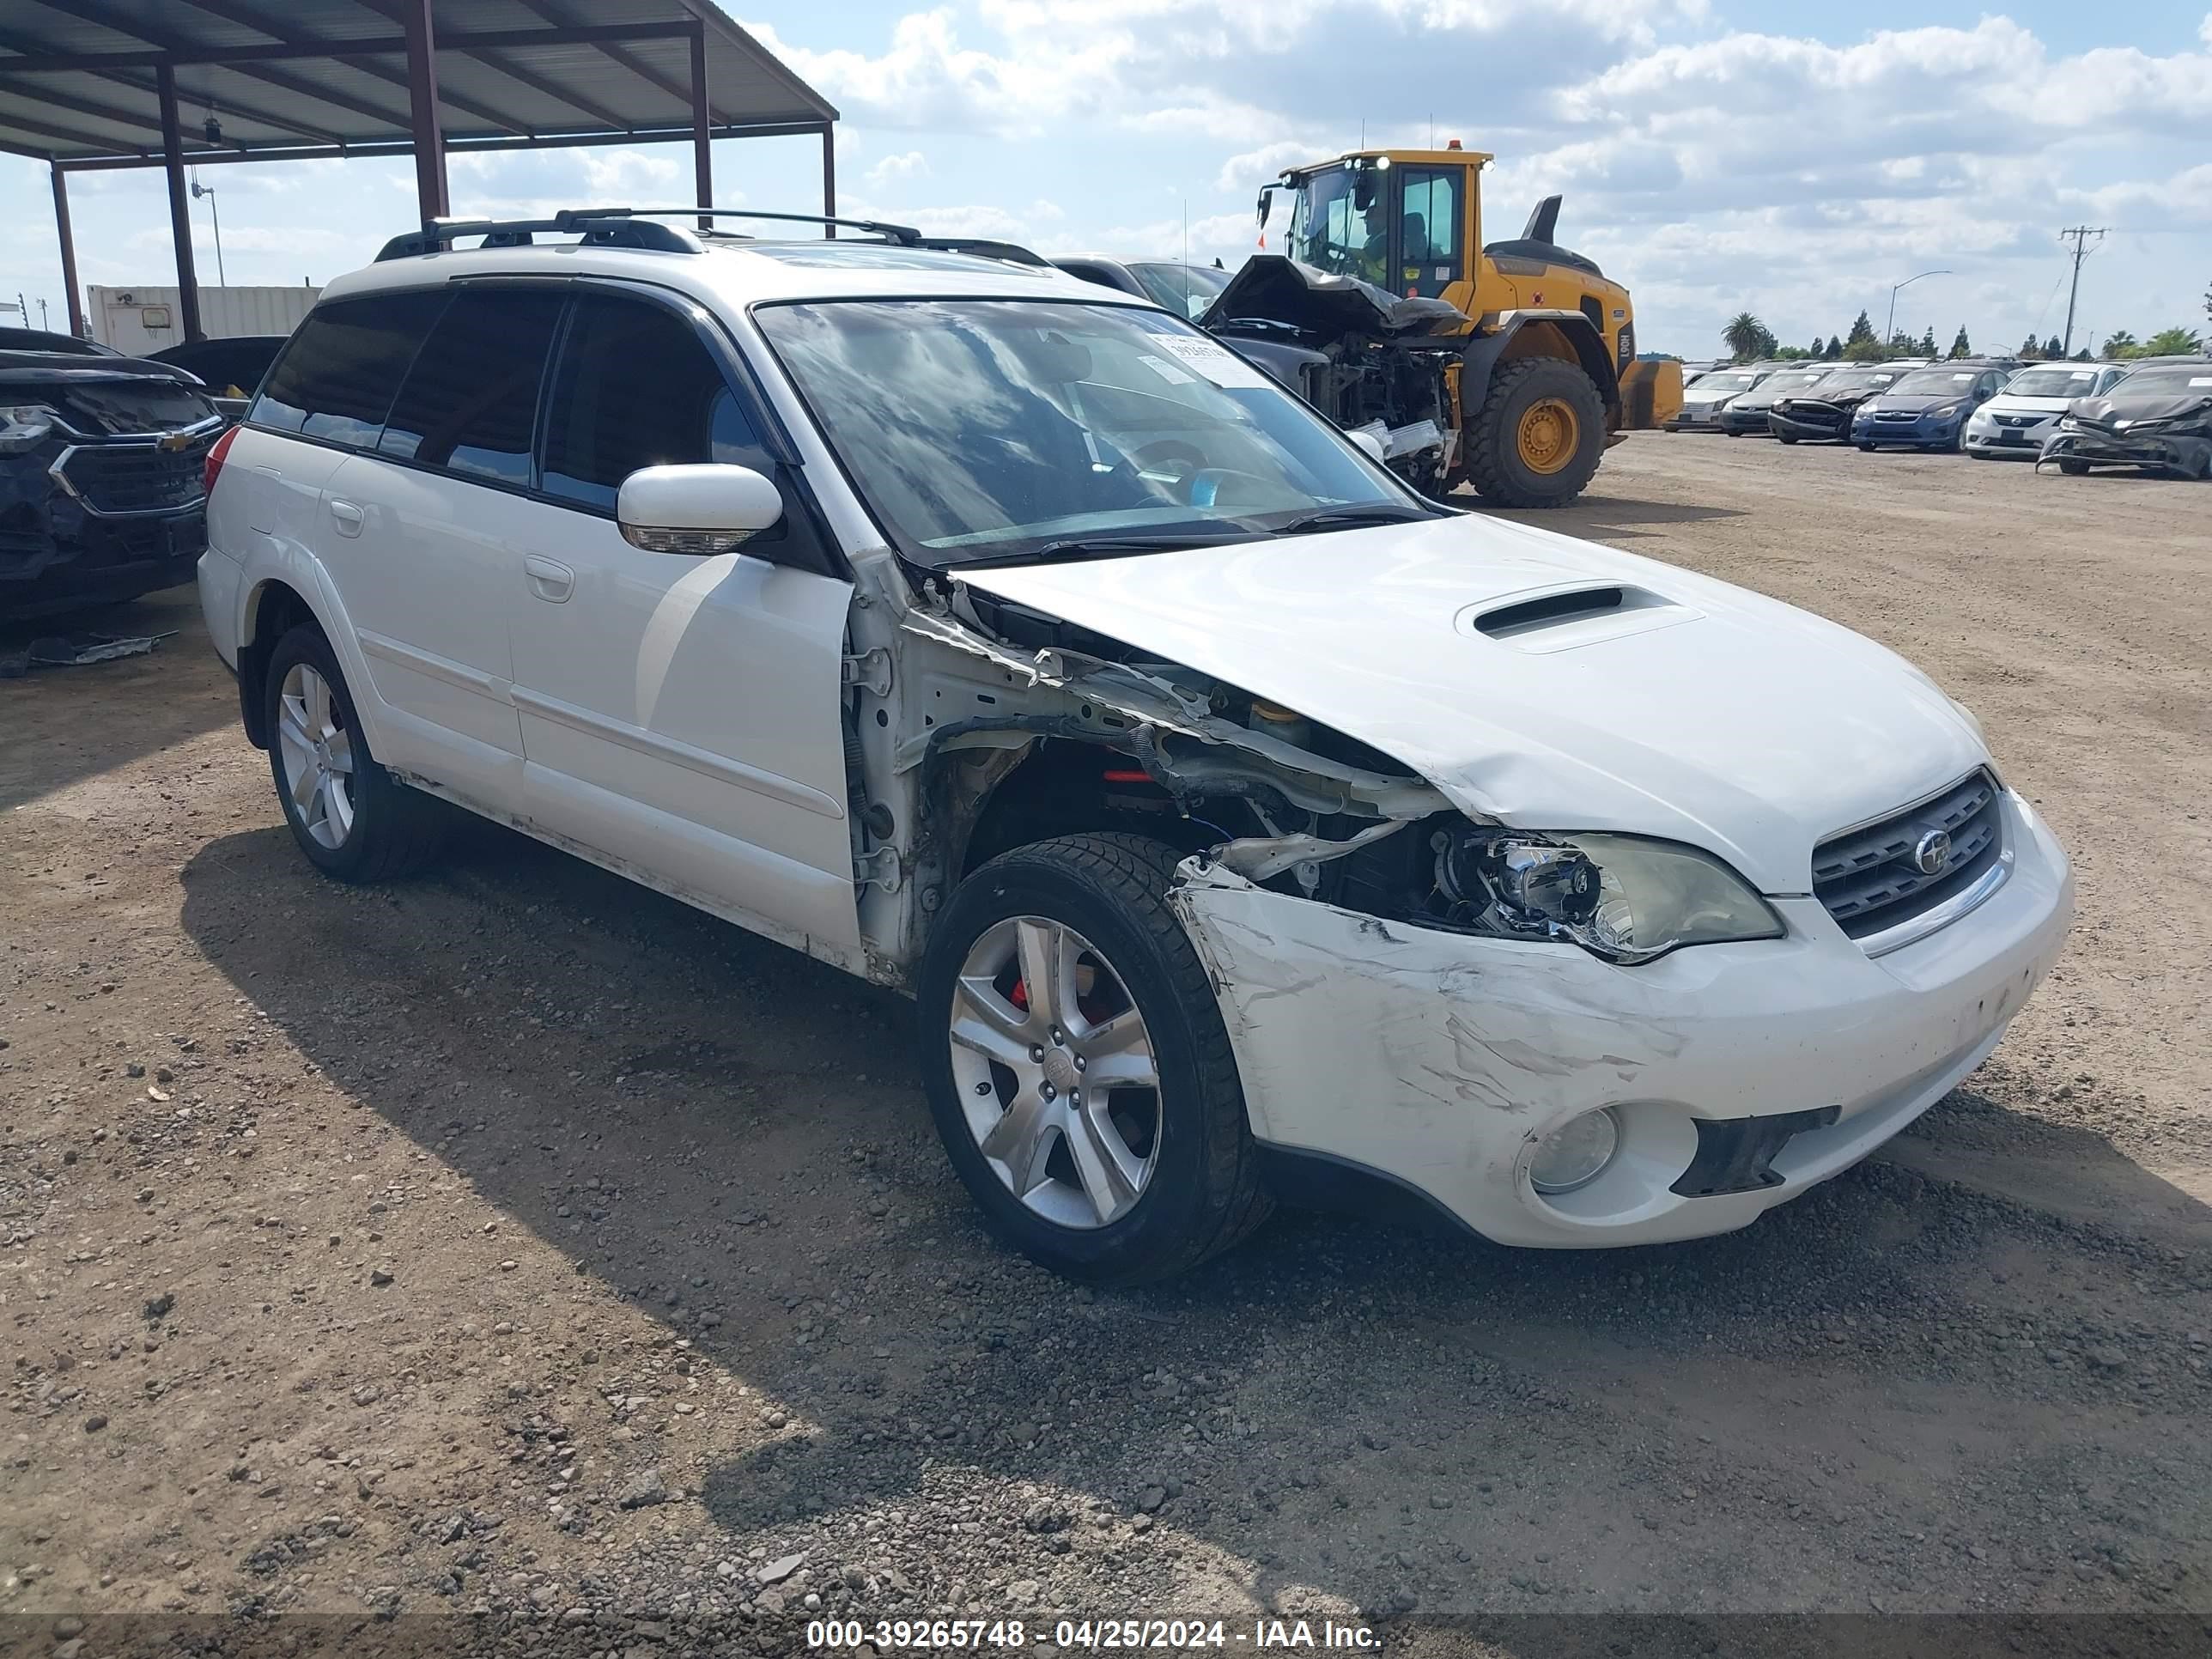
[[618, 226], [982, 248]]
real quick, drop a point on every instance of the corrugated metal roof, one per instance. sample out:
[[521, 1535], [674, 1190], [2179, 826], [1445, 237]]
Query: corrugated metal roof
[[330, 77]]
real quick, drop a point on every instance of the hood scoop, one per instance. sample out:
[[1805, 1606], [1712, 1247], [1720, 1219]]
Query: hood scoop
[[1560, 618]]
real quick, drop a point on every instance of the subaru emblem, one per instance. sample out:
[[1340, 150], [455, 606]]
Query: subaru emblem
[[1932, 851]]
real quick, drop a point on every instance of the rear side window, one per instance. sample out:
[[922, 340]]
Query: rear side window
[[636, 387], [337, 378], [471, 400]]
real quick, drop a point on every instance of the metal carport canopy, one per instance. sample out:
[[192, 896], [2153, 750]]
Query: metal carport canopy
[[98, 84]]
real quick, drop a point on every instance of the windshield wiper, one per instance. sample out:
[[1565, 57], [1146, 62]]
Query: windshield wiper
[[1350, 517], [1106, 547]]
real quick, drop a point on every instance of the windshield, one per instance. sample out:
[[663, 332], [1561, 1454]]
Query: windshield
[[2052, 383], [1340, 223], [1186, 290], [1857, 380], [1794, 380], [2169, 377], [986, 429], [1734, 380], [1934, 382]]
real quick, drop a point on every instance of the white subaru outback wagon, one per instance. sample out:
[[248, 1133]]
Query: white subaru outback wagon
[[1244, 825]]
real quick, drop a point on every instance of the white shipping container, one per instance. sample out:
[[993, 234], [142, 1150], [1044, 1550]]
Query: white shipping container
[[139, 320]]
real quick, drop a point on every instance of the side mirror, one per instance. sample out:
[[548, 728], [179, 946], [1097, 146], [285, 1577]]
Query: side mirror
[[1368, 444], [701, 509], [1266, 204]]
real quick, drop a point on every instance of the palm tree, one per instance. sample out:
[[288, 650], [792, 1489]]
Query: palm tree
[[2173, 342], [2118, 345], [1744, 336]]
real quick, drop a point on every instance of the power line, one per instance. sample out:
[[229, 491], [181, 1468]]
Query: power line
[[2082, 245]]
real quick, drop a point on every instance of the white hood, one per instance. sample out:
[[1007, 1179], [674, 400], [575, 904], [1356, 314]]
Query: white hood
[[2005, 404], [1696, 711]]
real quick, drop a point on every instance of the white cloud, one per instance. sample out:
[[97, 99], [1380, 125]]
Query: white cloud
[[893, 169]]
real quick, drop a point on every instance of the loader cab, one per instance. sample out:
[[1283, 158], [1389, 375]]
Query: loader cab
[[1406, 221]]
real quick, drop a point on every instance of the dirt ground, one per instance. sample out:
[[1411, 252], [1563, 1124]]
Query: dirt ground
[[513, 1242]]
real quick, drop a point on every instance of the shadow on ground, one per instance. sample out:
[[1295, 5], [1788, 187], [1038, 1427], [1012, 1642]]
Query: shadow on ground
[[61, 726], [1788, 1417]]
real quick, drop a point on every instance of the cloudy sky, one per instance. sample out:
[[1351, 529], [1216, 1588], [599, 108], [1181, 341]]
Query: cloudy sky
[[1790, 160]]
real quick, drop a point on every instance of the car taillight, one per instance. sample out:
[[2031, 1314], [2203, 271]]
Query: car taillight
[[214, 464]]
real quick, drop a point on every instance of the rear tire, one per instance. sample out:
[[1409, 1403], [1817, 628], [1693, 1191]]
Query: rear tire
[[1538, 436], [351, 816], [1141, 1181]]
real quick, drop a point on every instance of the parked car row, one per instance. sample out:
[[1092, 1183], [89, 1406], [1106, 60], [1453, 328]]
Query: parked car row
[[2154, 414]]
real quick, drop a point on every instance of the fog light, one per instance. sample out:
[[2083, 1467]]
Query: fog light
[[1576, 1153]]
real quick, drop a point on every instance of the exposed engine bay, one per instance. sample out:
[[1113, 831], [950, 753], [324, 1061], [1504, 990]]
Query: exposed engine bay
[[1370, 362]]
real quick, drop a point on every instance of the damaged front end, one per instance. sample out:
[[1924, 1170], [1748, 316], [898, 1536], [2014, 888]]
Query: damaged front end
[[1372, 362], [1014, 726], [1008, 726], [2181, 446]]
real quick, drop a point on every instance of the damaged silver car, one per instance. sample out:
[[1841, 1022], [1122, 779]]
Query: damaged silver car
[[1244, 825]]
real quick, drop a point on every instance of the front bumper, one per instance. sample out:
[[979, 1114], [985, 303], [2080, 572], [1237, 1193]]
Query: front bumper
[[1695, 418], [1906, 435], [1986, 436], [1810, 428], [1742, 421], [55, 556], [1439, 1059], [2167, 452]]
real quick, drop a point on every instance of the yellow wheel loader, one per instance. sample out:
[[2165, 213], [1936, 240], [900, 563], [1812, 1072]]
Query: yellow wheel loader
[[1508, 367]]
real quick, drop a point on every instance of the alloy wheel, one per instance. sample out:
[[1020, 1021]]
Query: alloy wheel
[[1056, 1074], [317, 752]]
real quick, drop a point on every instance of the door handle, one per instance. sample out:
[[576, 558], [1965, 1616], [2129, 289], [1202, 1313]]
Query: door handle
[[350, 517], [550, 583]]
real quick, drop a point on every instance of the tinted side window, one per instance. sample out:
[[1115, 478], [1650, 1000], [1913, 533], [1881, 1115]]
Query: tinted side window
[[635, 387], [471, 400], [337, 378]]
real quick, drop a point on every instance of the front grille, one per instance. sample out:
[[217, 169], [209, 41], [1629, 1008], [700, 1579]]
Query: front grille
[[137, 477], [1871, 879], [2018, 420]]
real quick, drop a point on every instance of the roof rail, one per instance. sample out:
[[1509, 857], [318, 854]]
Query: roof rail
[[602, 226], [982, 248], [614, 227]]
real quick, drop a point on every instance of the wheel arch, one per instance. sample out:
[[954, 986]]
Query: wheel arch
[[1565, 335], [271, 609]]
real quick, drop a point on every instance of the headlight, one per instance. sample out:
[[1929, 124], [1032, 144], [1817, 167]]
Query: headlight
[[1947, 411], [24, 427], [1623, 898], [2067, 423]]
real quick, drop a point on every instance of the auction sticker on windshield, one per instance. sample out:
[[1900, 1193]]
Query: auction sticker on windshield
[[1213, 360]]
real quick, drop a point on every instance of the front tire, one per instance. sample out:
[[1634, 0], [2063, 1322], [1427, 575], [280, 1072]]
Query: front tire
[[1077, 1066], [347, 813], [1786, 437], [1538, 436], [2072, 468]]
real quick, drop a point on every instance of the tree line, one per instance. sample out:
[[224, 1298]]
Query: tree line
[[1749, 340]]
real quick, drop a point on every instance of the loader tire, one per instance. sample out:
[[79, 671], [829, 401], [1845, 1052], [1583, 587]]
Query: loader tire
[[1538, 436]]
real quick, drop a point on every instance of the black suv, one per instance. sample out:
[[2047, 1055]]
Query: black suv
[[102, 488]]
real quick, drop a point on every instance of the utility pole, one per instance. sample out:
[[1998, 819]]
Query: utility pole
[[2080, 233]]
